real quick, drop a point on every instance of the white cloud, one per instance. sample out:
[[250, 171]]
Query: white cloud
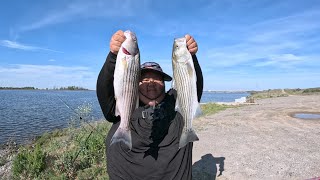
[[284, 58], [16, 45], [273, 42], [80, 9], [47, 76]]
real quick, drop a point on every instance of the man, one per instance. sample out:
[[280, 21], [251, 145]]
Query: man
[[155, 125]]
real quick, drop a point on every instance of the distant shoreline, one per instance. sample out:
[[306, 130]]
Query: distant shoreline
[[226, 91], [71, 88], [281, 90], [50, 89]]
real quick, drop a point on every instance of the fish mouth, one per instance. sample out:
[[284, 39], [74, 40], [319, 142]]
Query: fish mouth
[[130, 34], [124, 50], [181, 40]]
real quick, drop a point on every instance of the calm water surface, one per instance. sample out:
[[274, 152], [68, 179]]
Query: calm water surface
[[25, 114], [307, 116]]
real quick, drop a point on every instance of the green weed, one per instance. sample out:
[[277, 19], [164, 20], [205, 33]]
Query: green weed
[[211, 108], [77, 152]]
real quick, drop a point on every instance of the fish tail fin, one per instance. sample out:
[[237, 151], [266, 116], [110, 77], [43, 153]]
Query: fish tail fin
[[122, 135], [186, 137]]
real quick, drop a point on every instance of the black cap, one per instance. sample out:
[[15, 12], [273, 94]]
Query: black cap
[[152, 66]]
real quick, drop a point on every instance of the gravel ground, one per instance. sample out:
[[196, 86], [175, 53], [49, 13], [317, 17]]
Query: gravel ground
[[259, 141]]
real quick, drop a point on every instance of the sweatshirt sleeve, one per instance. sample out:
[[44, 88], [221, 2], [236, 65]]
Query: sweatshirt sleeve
[[199, 76], [105, 89]]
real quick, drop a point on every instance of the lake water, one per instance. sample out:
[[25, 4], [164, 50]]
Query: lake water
[[25, 114], [221, 97]]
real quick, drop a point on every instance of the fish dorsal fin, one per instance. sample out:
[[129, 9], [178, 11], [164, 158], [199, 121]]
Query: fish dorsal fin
[[124, 63], [173, 84]]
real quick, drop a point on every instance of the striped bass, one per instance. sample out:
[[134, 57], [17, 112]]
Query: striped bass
[[185, 83], [126, 81]]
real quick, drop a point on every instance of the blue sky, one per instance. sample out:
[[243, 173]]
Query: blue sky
[[243, 44]]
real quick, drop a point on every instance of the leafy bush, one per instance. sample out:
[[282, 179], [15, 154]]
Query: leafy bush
[[29, 163], [311, 90]]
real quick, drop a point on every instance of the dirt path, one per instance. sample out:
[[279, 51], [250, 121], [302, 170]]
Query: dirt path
[[259, 141]]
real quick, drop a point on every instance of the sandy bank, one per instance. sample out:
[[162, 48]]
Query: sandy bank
[[259, 141]]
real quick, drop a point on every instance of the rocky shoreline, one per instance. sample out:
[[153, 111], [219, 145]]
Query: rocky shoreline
[[6, 156]]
